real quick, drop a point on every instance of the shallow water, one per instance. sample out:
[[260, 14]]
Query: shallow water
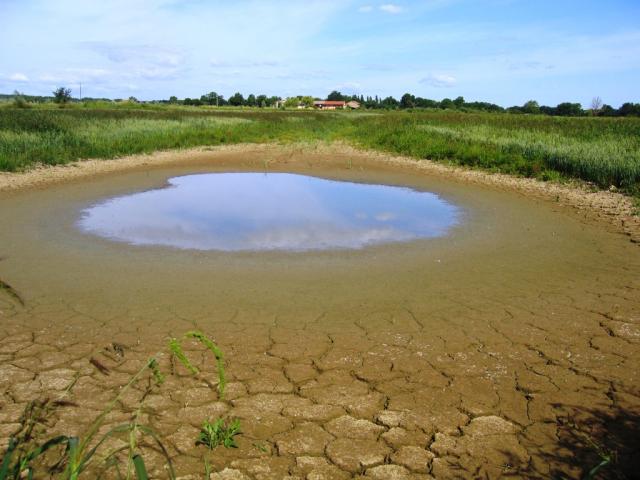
[[275, 211], [522, 316]]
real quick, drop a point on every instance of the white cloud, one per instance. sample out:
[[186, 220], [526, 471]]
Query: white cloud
[[439, 80], [385, 7], [293, 215], [18, 77], [151, 62], [391, 8], [124, 53], [75, 75], [166, 46], [169, 47]]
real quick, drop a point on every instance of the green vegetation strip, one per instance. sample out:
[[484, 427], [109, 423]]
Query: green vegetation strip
[[603, 151]]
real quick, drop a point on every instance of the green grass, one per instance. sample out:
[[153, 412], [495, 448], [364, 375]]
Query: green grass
[[219, 432], [177, 353], [603, 151]]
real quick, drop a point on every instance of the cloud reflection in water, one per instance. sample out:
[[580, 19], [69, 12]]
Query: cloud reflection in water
[[275, 211]]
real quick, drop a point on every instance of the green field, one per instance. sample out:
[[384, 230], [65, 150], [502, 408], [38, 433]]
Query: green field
[[602, 151]]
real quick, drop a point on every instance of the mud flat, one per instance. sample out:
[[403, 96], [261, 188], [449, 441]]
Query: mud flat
[[503, 349]]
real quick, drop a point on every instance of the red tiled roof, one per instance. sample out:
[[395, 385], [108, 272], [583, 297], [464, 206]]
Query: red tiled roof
[[329, 102]]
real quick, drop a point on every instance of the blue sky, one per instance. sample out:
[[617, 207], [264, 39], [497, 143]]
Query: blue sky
[[502, 51]]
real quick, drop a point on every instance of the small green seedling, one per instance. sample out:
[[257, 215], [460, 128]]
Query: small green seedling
[[261, 447], [219, 433], [175, 347]]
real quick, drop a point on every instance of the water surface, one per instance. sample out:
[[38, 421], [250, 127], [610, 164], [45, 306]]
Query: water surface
[[275, 211]]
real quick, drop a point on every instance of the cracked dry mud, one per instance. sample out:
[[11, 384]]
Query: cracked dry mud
[[492, 353]]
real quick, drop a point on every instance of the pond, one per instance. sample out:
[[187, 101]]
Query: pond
[[270, 211]]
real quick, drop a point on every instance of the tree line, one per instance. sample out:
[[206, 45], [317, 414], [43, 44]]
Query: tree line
[[236, 100], [409, 101], [406, 102]]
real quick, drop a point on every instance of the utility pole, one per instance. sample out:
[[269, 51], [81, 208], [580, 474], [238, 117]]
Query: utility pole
[[80, 91]]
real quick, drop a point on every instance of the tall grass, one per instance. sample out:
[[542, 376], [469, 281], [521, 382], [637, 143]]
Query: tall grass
[[604, 151]]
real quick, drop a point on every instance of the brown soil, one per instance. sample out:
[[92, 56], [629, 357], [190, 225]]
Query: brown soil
[[505, 349]]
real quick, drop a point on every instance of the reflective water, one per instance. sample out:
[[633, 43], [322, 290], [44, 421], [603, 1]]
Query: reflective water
[[275, 211]]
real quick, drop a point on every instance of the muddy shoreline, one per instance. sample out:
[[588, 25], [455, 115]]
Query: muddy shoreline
[[500, 351], [609, 207]]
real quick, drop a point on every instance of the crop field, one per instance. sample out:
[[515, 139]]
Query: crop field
[[602, 151]]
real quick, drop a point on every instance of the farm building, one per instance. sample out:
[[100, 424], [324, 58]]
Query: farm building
[[329, 104], [353, 105]]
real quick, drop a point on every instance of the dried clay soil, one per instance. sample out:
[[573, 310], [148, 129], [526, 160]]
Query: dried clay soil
[[510, 348]]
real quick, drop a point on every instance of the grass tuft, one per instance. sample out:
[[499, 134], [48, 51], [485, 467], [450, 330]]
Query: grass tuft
[[177, 352], [219, 432]]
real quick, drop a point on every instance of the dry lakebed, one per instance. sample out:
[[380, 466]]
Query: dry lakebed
[[506, 347]]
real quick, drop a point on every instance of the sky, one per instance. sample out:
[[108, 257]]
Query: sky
[[501, 51]]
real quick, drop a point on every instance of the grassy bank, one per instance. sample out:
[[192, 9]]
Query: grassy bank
[[604, 151]]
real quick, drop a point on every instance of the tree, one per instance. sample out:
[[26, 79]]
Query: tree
[[459, 102], [335, 96], [389, 103], [447, 103], [567, 109], [173, 99], [236, 100], [629, 108], [261, 101], [596, 105], [62, 95], [211, 98], [251, 100], [608, 111], [425, 103], [18, 100], [407, 101], [531, 107], [307, 101], [292, 102], [273, 101], [484, 106], [547, 110]]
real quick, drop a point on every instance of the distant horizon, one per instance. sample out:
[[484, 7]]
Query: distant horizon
[[585, 106], [505, 52]]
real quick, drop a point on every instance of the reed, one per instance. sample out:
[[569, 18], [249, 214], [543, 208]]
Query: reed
[[603, 151]]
